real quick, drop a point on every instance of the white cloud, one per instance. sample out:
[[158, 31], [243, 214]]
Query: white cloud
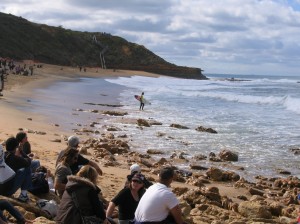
[[227, 36]]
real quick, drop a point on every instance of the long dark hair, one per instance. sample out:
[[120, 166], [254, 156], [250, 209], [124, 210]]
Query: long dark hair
[[69, 154]]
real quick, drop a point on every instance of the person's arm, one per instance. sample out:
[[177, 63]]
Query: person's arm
[[177, 215], [21, 162], [95, 165], [61, 180], [2, 221], [59, 186], [110, 209]]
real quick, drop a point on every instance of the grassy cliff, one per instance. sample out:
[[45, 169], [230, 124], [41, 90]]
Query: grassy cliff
[[21, 39]]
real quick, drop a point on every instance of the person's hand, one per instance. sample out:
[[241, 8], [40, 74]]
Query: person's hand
[[106, 221], [18, 152], [31, 155]]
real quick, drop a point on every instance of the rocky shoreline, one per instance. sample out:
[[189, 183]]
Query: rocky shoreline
[[207, 194]]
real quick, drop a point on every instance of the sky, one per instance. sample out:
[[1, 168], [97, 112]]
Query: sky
[[259, 37]]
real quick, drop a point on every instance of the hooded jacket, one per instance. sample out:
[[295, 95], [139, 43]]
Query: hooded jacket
[[87, 197], [6, 174]]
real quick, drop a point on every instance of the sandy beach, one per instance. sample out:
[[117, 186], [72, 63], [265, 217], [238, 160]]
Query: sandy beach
[[47, 138]]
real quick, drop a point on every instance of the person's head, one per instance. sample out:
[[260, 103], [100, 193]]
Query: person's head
[[166, 175], [142, 93], [88, 172], [73, 141], [21, 137], [70, 156], [135, 168], [137, 182], [11, 144]]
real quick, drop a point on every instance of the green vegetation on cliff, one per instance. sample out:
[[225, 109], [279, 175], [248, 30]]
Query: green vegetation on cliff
[[21, 39]]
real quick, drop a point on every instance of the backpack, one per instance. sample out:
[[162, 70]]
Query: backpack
[[39, 183]]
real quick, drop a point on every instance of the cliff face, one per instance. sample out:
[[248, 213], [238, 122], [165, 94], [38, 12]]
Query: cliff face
[[22, 39]]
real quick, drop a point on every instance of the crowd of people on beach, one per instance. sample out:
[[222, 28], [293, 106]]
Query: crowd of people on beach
[[9, 66], [75, 182]]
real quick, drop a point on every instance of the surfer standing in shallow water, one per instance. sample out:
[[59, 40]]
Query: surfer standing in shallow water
[[142, 101]]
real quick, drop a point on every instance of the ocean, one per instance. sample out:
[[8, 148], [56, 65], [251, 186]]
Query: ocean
[[258, 117]]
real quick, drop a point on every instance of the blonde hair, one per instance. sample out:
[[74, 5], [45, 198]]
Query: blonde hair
[[88, 172]]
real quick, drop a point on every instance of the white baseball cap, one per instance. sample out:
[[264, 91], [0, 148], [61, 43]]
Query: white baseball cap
[[135, 168], [73, 141]]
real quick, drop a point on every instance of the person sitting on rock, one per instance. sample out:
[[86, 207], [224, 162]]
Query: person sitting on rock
[[128, 199], [73, 142], [63, 170], [20, 163], [159, 203], [25, 146], [81, 198], [7, 174]]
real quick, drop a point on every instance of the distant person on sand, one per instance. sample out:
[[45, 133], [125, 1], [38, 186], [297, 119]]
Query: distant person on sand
[[142, 101], [159, 204], [73, 141]]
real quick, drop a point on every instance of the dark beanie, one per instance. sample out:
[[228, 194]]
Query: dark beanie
[[20, 136], [11, 144]]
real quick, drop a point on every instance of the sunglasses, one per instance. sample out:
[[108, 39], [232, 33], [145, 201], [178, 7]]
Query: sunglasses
[[137, 181]]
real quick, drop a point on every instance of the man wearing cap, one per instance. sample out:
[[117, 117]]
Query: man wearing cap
[[73, 141], [19, 162], [159, 201]]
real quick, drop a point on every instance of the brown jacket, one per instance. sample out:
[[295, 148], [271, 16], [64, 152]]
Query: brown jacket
[[87, 197]]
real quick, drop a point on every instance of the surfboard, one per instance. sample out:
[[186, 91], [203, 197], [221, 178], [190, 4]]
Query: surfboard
[[137, 97]]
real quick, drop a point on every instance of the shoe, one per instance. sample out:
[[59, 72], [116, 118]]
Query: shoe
[[23, 198]]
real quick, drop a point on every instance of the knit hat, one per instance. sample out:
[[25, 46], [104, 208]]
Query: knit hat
[[135, 168], [73, 141], [6, 172]]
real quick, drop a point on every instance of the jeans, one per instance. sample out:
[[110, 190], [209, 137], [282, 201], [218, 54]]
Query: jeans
[[21, 180], [5, 205]]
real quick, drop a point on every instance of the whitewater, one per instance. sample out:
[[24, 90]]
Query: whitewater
[[257, 117]]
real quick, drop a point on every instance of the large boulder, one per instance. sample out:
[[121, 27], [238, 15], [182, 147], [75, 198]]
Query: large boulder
[[252, 209], [227, 155]]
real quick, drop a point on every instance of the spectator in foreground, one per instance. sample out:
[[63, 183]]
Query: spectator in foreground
[[25, 146], [7, 174], [20, 163], [73, 142], [63, 170], [159, 203], [128, 199], [81, 198]]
